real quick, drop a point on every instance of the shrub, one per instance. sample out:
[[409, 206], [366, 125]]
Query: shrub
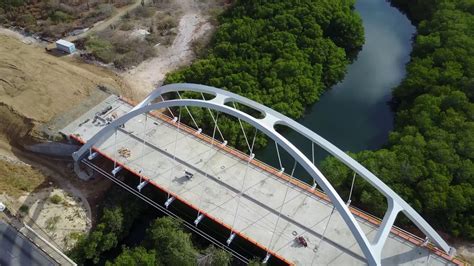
[[24, 208], [9, 4], [166, 22], [100, 48], [56, 199], [143, 12], [52, 222], [101, 12], [131, 53], [105, 10], [59, 16], [27, 20], [153, 38], [126, 26]]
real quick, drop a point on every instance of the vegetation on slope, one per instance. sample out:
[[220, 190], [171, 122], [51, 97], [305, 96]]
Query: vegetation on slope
[[118, 214], [428, 160], [16, 178], [283, 54], [123, 45], [55, 18]]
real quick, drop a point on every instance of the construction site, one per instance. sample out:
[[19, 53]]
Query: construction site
[[85, 119], [291, 222]]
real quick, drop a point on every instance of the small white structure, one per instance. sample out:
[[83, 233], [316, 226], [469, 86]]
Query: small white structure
[[65, 46], [2, 207]]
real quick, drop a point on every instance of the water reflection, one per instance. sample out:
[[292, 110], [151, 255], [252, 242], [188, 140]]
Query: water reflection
[[354, 115]]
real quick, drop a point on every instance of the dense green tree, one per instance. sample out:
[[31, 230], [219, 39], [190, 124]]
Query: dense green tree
[[138, 256], [428, 160], [118, 214], [283, 54], [103, 238], [215, 257], [173, 246]]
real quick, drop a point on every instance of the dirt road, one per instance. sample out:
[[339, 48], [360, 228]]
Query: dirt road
[[102, 25], [192, 25]]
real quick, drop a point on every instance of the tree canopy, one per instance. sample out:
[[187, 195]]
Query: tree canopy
[[138, 256], [428, 160], [172, 244], [283, 54], [166, 242], [115, 222]]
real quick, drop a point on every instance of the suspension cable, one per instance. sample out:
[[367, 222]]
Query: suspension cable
[[213, 118], [242, 127], [115, 149], [352, 187], [144, 138], [211, 145], [175, 163], [322, 236], [243, 181], [169, 109], [281, 207], [189, 112], [279, 158]]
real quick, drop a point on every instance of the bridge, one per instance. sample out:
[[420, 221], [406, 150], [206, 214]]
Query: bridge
[[291, 221]]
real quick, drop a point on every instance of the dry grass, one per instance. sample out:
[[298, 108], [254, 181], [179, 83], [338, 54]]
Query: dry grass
[[37, 86], [15, 179]]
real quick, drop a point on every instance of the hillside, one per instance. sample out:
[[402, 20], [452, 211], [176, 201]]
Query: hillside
[[38, 92], [35, 86]]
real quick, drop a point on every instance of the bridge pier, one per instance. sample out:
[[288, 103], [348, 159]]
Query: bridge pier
[[117, 169], [267, 257], [231, 237], [169, 201], [142, 185], [92, 156], [198, 219]]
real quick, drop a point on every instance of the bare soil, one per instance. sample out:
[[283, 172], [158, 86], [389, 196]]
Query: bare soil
[[38, 89], [195, 22], [37, 86]]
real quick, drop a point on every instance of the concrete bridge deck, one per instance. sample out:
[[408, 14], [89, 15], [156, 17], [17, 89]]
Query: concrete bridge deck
[[216, 185]]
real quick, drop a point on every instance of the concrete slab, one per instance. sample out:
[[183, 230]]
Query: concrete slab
[[239, 194]]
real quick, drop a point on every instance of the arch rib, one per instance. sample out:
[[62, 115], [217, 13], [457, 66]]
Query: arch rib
[[372, 251]]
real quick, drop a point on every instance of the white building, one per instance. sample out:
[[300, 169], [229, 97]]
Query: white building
[[65, 46]]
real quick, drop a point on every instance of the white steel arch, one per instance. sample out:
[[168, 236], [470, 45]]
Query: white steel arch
[[372, 250]]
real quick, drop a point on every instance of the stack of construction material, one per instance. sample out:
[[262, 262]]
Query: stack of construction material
[[124, 152]]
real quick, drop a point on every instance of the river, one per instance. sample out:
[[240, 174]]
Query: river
[[354, 115]]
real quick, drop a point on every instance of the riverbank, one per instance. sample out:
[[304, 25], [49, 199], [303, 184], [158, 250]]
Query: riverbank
[[428, 159], [355, 115], [261, 61]]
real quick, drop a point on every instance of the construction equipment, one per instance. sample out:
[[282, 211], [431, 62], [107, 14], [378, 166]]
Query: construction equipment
[[124, 152]]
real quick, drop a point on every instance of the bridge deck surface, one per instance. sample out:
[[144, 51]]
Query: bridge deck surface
[[215, 188]]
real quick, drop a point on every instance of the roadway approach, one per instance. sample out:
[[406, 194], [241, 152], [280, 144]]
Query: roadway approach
[[17, 250], [246, 198]]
